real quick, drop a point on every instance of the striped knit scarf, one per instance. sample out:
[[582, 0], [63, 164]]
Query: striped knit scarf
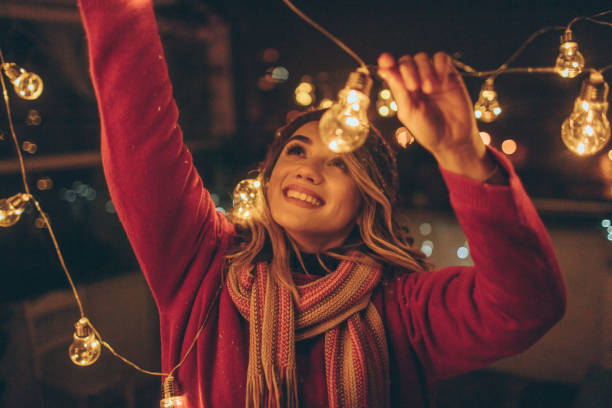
[[338, 305]]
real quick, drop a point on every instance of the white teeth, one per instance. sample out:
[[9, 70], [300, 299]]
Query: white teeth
[[303, 197]]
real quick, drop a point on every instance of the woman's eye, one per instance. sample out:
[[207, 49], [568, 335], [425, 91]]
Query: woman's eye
[[295, 149], [339, 163]]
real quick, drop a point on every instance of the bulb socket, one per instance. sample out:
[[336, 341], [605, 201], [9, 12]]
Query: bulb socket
[[12, 70], [359, 81], [169, 388], [594, 89], [82, 328], [18, 200], [568, 36], [488, 85]]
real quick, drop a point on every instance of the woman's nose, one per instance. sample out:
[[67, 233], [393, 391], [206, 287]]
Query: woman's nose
[[309, 172]]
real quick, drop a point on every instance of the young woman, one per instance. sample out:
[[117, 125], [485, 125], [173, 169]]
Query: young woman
[[323, 300]]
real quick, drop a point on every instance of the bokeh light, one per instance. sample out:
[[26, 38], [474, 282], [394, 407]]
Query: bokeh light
[[509, 146], [33, 118], [404, 137], [270, 55], [486, 138], [29, 147], [425, 228], [45, 183], [280, 74], [427, 247]]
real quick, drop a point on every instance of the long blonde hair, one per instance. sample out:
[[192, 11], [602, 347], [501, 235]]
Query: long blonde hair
[[382, 232]]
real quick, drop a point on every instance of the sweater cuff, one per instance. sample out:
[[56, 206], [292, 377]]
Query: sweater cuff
[[466, 192]]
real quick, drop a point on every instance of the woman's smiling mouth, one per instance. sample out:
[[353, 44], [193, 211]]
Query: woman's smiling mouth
[[302, 197]]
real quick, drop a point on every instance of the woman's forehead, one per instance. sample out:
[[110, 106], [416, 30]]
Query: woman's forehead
[[309, 129]]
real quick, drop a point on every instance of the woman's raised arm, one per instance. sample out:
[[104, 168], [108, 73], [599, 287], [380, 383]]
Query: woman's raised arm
[[168, 215], [462, 318]]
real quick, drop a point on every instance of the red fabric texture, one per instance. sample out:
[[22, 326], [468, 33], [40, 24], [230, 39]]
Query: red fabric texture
[[438, 324]]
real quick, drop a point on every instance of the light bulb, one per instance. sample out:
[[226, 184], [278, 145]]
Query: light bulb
[[27, 85], [170, 399], [245, 198], [385, 105], [86, 347], [11, 209], [587, 130], [345, 127], [305, 92], [487, 107], [570, 61]]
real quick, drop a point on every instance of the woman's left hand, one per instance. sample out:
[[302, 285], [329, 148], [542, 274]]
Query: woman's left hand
[[434, 105]]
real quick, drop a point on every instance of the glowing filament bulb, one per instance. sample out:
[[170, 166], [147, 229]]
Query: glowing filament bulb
[[11, 209], [487, 107], [27, 84], [570, 61], [170, 399], [587, 130], [345, 126], [245, 196], [85, 349], [305, 92], [385, 105]]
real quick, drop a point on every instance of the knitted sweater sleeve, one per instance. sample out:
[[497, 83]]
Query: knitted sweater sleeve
[[463, 318], [167, 213]]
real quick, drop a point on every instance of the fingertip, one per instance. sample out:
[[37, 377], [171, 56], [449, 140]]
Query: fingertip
[[386, 60]]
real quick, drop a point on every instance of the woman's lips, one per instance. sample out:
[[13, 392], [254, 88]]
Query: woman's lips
[[302, 196]]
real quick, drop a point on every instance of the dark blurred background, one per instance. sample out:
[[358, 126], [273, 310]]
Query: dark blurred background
[[221, 57]]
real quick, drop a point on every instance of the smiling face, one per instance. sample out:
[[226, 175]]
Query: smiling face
[[310, 192]]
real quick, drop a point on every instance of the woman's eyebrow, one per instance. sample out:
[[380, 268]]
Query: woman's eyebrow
[[301, 138]]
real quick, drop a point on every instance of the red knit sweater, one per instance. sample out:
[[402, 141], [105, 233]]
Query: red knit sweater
[[438, 324]]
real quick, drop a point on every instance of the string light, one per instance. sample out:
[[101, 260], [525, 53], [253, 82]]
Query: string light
[[304, 92], [587, 130], [325, 103], [344, 127], [86, 347], [27, 85], [487, 107], [570, 61], [11, 209], [246, 194], [385, 105], [170, 399]]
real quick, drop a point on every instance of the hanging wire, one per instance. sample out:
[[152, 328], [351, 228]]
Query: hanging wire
[[525, 44], [327, 34], [576, 19], [592, 20]]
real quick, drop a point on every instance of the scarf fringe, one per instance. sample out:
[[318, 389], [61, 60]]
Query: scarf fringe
[[254, 391]]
